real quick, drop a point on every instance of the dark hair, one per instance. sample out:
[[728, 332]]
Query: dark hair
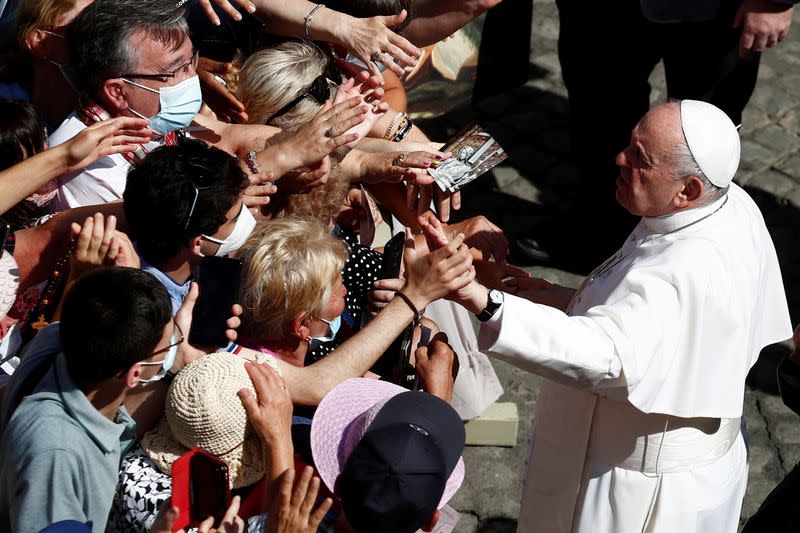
[[113, 318], [21, 136], [99, 38], [160, 191], [371, 8]]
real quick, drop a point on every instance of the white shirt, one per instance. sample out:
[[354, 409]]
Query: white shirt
[[99, 183]]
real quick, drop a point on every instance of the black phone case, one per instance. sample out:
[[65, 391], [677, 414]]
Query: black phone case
[[219, 279], [208, 482]]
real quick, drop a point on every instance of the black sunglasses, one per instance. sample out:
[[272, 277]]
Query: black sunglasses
[[320, 89]]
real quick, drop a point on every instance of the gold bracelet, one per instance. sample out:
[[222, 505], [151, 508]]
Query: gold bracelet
[[407, 300], [391, 125]]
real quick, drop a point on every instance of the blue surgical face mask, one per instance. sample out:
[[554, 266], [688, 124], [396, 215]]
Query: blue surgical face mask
[[179, 105], [165, 363], [333, 325]]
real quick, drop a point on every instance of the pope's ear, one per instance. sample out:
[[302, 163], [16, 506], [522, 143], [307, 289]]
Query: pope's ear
[[692, 191]]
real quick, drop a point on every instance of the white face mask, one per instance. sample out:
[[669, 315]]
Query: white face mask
[[165, 363], [241, 231]]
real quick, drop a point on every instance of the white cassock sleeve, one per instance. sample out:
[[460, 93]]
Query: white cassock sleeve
[[545, 341]]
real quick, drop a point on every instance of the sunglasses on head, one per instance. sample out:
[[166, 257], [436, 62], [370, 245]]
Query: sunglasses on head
[[319, 89]]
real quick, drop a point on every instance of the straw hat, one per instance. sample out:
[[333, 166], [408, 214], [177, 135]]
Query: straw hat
[[203, 410], [9, 282]]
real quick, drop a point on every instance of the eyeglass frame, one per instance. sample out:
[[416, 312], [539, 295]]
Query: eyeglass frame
[[190, 164], [168, 348], [320, 89], [170, 75]]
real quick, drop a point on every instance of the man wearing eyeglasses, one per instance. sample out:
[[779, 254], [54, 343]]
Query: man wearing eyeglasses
[[135, 58], [63, 439]]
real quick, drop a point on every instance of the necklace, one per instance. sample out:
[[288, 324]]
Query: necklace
[[617, 258]]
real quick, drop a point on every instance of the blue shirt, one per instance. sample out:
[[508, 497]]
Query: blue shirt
[[177, 291], [59, 456]]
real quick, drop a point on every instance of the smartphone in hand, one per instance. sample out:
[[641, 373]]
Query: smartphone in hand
[[199, 488], [219, 279]]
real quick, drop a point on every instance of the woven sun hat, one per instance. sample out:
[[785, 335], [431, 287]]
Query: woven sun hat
[[203, 410], [9, 282], [395, 454], [713, 140]]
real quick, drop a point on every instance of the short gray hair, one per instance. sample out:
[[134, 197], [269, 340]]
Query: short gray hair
[[99, 39], [274, 76], [684, 164]]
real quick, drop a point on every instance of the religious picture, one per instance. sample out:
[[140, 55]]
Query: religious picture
[[474, 151]]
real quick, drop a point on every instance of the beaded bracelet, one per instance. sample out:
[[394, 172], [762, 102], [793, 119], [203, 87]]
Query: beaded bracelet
[[389, 130], [307, 20], [252, 162]]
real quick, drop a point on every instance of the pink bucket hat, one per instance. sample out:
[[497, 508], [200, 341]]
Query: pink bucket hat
[[412, 439]]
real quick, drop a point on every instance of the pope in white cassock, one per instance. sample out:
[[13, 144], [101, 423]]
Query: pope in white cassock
[[638, 423]]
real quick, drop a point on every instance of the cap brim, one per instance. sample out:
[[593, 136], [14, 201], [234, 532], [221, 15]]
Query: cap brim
[[340, 407]]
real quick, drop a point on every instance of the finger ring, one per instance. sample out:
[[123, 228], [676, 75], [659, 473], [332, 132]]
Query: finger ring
[[397, 161], [329, 133], [283, 387], [377, 56]]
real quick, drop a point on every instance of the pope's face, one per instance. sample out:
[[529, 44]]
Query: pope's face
[[646, 185]]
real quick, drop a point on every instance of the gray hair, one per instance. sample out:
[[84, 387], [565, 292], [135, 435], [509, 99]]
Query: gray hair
[[99, 39], [274, 76]]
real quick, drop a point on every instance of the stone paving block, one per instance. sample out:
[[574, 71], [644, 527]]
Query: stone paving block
[[505, 176], [468, 523], [790, 166], [776, 139], [791, 121], [772, 99], [523, 189], [755, 157], [786, 430], [794, 197], [753, 118], [790, 83], [776, 183]]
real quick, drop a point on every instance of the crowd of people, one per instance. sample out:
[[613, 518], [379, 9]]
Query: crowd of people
[[190, 193]]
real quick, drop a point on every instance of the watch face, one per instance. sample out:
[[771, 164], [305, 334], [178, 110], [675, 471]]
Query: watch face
[[496, 296]]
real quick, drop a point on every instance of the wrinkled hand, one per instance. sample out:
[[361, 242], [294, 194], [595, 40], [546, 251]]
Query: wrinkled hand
[[302, 181], [382, 293], [354, 211], [270, 410], [292, 511], [226, 6], [437, 367], [349, 89], [258, 193], [392, 167], [183, 318], [115, 136], [168, 514], [364, 36], [311, 143], [434, 275], [764, 24], [481, 234], [540, 291], [224, 104], [491, 274]]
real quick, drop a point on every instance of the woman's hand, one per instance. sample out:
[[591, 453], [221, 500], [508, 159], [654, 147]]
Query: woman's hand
[[270, 410], [351, 89], [364, 37], [216, 94], [292, 510], [115, 136]]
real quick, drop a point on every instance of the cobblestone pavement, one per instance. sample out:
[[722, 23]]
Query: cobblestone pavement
[[530, 123]]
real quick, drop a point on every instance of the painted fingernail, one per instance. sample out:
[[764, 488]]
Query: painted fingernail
[[439, 157], [436, 164]]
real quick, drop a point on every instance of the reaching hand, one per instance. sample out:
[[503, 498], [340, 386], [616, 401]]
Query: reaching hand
[[97, 242], [392, 167], [292, 510], [258, 193], [437, 367], [382, 293], [349, 89], [216, 94], [764, 24], [168, 514], [363, 37], [270, 410], [226, 6], [115, 136], [434, 275]]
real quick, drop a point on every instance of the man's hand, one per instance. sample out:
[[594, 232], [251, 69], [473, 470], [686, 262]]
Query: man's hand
[[764, 24], [437, 367], [115, 136], [257, 194], [97, 242], [187, 352], [168, 514], [216, 94], [540, 291], [270, 410], [434, 275], [292, 510]]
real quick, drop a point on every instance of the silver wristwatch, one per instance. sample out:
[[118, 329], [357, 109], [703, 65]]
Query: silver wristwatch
[[492, 305]]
